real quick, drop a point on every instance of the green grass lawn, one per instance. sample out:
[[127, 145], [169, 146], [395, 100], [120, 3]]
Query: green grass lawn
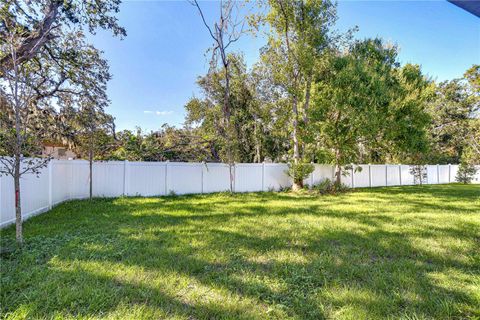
[[398, 252]]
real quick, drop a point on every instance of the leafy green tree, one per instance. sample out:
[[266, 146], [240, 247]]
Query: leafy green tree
[[454, 112], [466, 172], [471, 152], [90, 130], [405, 132], [249, 119], [43, 25], [351, 102], [299, 32], [44, 57], [272, 116]]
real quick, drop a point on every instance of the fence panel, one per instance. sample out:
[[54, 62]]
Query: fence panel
[[7, 199], [476, 179], [35, 190], [393, 175], [275, 176], [108, 178], [248, 177], [322, 172], [361, 177], [34, 196], [184, 178], [80, 184], [216, 177], [61, 180], [145, 179], [379, 178], [453, 172], [346, 177], [407, 177], [444, 174], [432, 174]]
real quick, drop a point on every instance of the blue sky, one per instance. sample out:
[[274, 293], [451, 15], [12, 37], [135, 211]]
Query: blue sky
[[155, 67]]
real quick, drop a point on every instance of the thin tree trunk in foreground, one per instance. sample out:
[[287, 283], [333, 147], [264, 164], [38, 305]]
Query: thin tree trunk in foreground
[[297, 185], [90, 165], [18, 206], [18, 155]]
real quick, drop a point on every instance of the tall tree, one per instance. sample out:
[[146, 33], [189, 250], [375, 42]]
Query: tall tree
[[224, 33], [471, 152], [299, 33], [248, 119], [406, 130], [363, 104], [17, 141], [45, 60], [89, 129], [454, 110]]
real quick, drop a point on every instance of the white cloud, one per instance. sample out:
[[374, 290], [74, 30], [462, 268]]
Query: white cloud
[[158, 113], [163, 113]]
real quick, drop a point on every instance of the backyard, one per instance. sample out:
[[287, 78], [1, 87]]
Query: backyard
[[398, 252]]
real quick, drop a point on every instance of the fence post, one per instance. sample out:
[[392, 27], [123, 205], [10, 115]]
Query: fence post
[[400, 173], [426, 173], [234, 177], [353, 179], [311, 176], [449, 173], [50, 187], [386, 175], [125, 177], [438, 173], [263, 176], [166, 177], [71, 178], [201, 177], [369, 175]]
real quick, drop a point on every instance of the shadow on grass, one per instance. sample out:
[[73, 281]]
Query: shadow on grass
[[250, 257]]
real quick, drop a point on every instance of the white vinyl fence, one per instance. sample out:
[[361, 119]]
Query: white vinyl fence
[[69, 179]]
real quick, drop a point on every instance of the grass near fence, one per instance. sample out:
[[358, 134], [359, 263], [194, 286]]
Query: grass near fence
[[398, 252]]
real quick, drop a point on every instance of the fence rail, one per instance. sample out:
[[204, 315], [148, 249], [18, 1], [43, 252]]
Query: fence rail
[[64, 180]]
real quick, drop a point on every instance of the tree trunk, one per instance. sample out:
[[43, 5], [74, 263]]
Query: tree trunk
[[297, 183], [338, 174], [258, 156], [231, 167], [227, 114], [18, 155], [90, 165], [18, 206], [307, 100], [338, 169]]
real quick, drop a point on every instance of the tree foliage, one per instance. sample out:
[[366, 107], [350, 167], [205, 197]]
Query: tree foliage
[[455, 114], [466, 172], [299, 33], [366, 108], [46, 61]]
